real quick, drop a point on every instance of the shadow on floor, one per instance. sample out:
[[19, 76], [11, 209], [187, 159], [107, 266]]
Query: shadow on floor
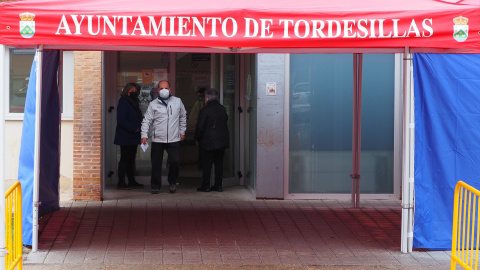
[[214, 230]]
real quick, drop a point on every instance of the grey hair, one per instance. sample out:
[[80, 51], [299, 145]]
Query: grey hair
[[211, 94]]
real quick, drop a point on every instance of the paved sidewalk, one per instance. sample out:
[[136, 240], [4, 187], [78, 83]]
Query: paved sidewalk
[[228, 230]]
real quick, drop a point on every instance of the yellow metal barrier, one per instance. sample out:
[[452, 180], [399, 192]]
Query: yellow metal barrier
[[466, 229], [13, 227]]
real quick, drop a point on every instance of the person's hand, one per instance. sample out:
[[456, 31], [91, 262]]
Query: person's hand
[[144, 140], [182, 137]]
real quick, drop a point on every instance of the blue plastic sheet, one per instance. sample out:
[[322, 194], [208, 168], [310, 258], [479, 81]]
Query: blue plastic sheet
[[26, 159], [49, 144], [447, 140]]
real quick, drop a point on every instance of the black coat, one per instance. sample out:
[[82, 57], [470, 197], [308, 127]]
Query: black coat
[[212, 127], [129, 122]]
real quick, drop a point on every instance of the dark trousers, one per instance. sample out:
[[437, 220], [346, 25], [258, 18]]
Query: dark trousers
[[126, 165], [156, 155], [210, 158]]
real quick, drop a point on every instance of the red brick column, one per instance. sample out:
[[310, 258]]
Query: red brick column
[[87, 127]]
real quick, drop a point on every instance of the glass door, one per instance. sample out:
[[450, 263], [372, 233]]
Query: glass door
[[228, 82], [193, 74], [189, 74], [321, 123], [146, 69], [377, 141]]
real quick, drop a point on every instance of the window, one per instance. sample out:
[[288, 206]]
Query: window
[[20, 63]]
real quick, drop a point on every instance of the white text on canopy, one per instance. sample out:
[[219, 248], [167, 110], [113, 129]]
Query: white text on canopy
[[218, 27]]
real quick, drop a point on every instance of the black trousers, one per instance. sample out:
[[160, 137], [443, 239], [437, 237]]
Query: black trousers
[[210, 158], [156, 155], [126, 165]]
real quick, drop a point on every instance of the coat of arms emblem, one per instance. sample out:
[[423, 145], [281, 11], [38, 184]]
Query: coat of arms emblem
[[27, 24], [460, 29]]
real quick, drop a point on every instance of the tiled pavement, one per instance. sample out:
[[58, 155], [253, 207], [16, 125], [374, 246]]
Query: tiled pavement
[[228, 230]]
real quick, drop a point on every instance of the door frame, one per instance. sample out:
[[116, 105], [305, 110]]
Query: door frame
[[110, 66], [238, 139]]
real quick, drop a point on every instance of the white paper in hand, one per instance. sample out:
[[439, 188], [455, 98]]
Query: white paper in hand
[[144, 146]]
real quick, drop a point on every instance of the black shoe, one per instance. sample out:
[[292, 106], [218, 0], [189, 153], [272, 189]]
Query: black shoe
[[215, 188], [123, 187], [135, 184], [172, 188], [155, 190], [203, 189]]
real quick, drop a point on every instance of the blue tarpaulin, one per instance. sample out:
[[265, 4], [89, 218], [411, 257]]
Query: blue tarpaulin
[[49, 144], [447, 140], [27, 154]]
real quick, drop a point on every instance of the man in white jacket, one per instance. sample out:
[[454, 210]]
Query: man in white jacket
[[168, 116]]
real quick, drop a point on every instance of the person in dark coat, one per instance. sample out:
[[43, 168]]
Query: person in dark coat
[[127, 134], [211, 132]]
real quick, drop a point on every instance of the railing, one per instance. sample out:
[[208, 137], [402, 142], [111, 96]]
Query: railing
[[466, 229], [13, 227]]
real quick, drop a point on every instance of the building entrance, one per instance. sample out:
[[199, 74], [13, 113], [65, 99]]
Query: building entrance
[[189, 74]]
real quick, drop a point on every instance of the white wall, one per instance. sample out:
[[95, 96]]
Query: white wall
[[13, 137]]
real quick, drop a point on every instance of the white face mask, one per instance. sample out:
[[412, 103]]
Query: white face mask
[[164, 93]]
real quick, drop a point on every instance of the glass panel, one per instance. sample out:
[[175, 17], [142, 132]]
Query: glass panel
[[192, 74], [320, 123], [20, 66], [376, 166], [146, 69], [229, 82]]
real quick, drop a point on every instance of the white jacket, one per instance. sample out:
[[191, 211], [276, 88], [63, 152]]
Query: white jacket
[[168, 121]]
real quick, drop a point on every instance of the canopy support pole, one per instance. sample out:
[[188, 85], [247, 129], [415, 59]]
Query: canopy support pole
[[36, 163], [4, 90], [357, 128], [408, 154]]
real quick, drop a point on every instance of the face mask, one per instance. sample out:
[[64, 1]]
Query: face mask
[[164, 93], [134, 95]]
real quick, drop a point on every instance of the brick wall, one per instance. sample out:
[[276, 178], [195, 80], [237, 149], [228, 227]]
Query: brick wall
[[87, 127]]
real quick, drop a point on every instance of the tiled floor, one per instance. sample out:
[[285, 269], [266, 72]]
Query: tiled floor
[[228, 230]]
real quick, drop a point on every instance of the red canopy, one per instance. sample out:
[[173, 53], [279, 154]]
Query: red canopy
[[258, 25]]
